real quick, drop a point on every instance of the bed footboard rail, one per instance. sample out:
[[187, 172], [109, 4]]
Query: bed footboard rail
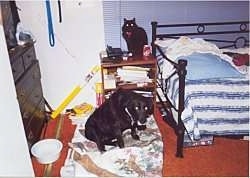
[[180, 70], [178, 125]]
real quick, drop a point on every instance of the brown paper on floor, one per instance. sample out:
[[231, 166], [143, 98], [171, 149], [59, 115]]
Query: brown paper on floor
[[90, 166]]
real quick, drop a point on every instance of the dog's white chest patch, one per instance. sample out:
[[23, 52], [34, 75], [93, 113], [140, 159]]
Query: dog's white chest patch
[[130, 115]]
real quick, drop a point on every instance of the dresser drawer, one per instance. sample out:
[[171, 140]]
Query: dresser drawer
[[31, 111], [17, 68], [26, 84], [36, 95], [28, 56], [34, 128], [31, 103], [26, 73], [41, 106], [33, 99], [26, 117], [40, 111], [21, 58]]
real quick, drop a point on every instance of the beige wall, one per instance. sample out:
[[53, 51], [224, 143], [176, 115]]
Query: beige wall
[[14, 154], [78, 40]]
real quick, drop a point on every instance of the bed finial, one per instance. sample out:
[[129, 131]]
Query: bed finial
[[154, 26]]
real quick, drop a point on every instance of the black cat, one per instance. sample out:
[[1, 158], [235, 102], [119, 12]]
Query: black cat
[[134, 36]]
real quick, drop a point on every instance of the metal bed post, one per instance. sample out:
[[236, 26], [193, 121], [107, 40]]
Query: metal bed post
[[180, 126], [154, 26]]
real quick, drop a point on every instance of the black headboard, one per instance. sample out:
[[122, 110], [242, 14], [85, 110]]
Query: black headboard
[[238, 30]]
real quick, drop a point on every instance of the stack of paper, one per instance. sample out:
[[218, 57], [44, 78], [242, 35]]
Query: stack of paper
[[133, 74], [109, 82]]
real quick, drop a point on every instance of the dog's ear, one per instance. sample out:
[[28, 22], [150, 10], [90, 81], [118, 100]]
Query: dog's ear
[[149, 103], [120, 99], [126, 97]]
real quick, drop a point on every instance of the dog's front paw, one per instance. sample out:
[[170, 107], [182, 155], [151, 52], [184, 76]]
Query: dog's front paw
[[141, 127], [101, 148], [136, 137], [120, 142], [121, 145], [102, 151]]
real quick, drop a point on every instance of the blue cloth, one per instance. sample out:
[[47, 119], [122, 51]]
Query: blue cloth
[[50, 24], [207, 65]]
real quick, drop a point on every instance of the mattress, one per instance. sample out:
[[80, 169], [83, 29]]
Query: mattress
[[218, 106]]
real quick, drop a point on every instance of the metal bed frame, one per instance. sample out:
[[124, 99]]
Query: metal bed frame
[[201, 30]]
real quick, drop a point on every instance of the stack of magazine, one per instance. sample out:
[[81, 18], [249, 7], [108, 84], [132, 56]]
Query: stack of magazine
[[133, 74]]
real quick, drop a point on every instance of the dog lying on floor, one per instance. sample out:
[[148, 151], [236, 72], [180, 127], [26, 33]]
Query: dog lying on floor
[[125, 109]]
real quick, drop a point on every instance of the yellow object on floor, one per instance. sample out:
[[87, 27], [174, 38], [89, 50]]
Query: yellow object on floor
[[83, 109], [74, 92], [67, 100]]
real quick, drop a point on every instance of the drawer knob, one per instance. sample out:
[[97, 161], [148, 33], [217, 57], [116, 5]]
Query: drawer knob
[[25, 115], [22, 92]]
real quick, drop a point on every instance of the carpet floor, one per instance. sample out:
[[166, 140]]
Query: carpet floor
[[225, 157]]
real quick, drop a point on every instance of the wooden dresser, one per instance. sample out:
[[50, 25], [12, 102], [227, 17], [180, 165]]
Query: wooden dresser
[[27, 77]]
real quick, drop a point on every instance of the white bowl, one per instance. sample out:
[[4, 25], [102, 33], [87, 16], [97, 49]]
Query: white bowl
[[47, 151]]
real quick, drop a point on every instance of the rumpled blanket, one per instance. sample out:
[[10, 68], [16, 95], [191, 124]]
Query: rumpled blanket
[[185, 46], [138, 158]]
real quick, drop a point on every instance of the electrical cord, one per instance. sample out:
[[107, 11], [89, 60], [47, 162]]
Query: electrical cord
[[60, 10]]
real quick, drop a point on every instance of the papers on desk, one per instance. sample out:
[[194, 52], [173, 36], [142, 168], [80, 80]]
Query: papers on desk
[[132, 74]]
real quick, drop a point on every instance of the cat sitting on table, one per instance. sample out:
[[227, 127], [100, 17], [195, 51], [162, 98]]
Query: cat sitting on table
[[134, 36]]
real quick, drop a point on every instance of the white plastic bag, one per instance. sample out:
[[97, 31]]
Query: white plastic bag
[[23, 36]]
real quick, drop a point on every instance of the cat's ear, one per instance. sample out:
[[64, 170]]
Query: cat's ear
[[134, 19], [125, 19]]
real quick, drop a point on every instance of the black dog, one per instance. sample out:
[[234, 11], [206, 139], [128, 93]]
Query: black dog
[[125, 109]]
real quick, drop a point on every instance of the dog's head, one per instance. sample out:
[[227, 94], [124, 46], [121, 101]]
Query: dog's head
[[140, 108]]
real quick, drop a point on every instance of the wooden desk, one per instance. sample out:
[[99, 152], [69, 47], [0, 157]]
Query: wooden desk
[[111, 68]]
